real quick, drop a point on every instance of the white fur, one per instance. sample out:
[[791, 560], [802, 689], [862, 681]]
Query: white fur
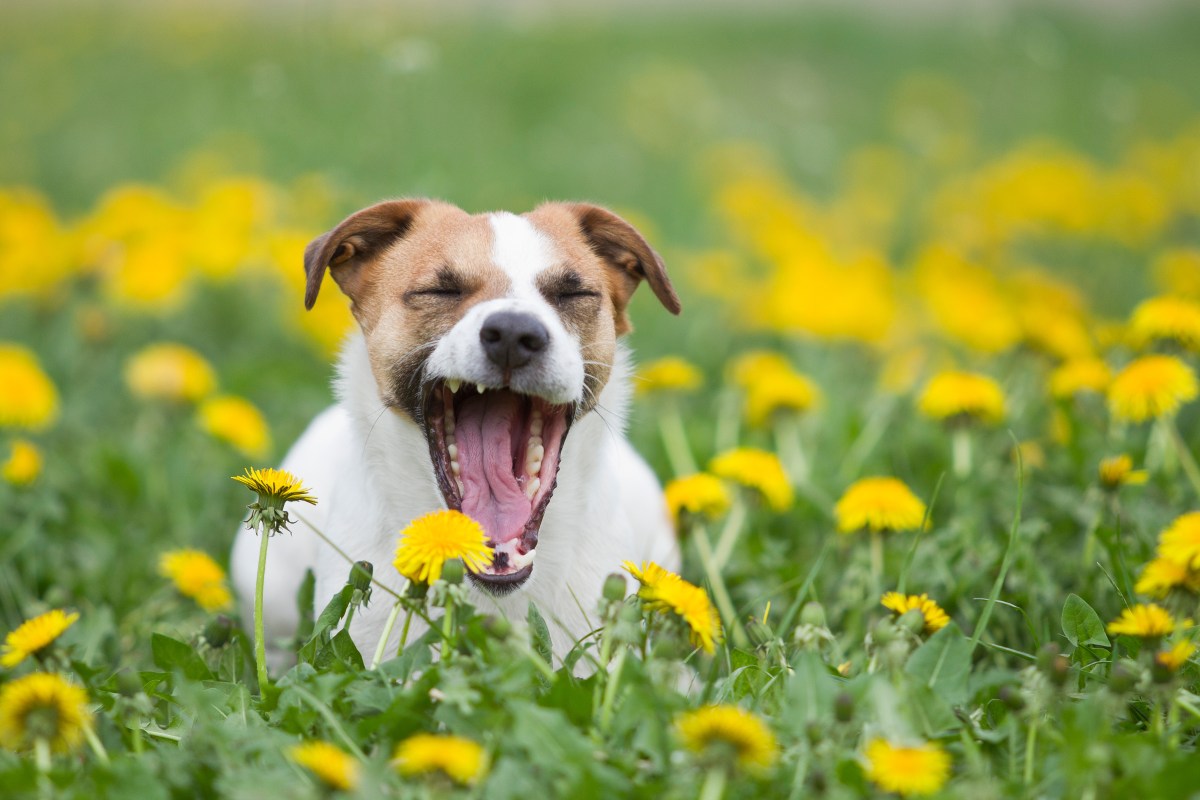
[[370, 469]]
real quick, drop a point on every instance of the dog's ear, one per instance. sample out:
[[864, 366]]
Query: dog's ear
[[620, 245], [349, 247]]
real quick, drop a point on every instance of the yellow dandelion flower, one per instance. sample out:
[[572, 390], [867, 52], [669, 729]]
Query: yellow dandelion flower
[[1180, 542], [919, 770], [953, 395], [667, 593], [1173, 658], [1080, 375], [1172, 319], [459, 759], [197, 576], [275, 486], [935, 617], [671, 374], [1118, 471], [332, 765], [169, 371], [775, 392], [757, 365], [34, 635], [1162, 575], [430, 541], [879, 504], [42, 706], [24, 463], [236, 421], [1151, 386], [700, 494], [29, 399], [756, 469], [1146, 620], [717, 730]]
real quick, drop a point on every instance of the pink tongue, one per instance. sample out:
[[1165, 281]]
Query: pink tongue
[[491, 496]]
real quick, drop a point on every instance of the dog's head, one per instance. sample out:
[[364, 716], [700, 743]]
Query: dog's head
[[493, 333]]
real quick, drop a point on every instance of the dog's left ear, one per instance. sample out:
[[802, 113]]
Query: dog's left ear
[[620, 245], [348, 248]]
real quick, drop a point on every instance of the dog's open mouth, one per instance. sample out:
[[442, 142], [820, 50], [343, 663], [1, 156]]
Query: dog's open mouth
[[495, 456]]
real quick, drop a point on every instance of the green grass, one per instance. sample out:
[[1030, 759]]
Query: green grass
[[491, 111]]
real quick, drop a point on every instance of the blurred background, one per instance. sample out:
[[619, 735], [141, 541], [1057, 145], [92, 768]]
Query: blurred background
[[877, 188]]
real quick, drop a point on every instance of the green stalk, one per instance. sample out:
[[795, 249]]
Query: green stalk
[[1009, 550], [387, 632], [260, 636], [97, 746], [877, 563], [717, 583], [41, 755], [714, 784], [730, 532], [1030, 751], [674, 436], [787, 436], [1186, 459], [610, 690], [961, 443]]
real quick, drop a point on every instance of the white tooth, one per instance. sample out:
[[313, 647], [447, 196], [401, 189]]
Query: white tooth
[[535, 453], [479, 387], [532, 487], [535, 424], [535, 441], [452, 448], [532, 468], [519, 561], [461, 489], [456, 468], [454, 385]]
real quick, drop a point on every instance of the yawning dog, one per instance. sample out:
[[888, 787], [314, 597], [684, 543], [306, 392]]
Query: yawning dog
[[488, 378]]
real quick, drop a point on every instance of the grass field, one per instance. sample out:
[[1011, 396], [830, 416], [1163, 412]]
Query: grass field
[[855, 211]]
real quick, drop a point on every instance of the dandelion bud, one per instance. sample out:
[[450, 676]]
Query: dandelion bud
[[883, 632], [815, 732], [1011, 697], [218, 630], [817, 781], [360, 575], [1123, 678], [453, 572], [1161, 672], [843, 707], [1053, 664], [129, 684], [1045, 657], [813, 614], [614, 588], [912, 621], [497, 627]]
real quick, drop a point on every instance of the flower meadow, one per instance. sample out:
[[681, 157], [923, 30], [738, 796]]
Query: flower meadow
[[928, 426]]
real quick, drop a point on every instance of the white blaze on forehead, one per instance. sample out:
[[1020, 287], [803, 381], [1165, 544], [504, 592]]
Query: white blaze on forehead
[[519, 249]]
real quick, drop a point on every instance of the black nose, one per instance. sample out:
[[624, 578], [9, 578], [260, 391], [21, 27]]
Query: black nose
[[512, 339]]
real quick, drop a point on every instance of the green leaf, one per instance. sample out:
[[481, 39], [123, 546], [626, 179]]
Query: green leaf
[[173, 655], [539, 633], [1081, 624], [943, 664], [305, 606], [330, 617]]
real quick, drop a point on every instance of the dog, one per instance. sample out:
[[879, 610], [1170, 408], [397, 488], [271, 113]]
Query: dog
[[487, 376]]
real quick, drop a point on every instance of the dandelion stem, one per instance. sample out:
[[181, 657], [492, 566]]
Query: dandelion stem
[[404, 631], [714, 784], [730, 533], [727, 421], [329, 717], [787, 435], [387, 633], [610, 690], [679, 453], [717, 584], [961, 443], [448, 631], [876, 563], [41, 755], [94, 742], [1186, 459], [260, 638]]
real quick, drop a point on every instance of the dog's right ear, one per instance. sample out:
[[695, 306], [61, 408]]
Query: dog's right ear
[[347, 249]]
